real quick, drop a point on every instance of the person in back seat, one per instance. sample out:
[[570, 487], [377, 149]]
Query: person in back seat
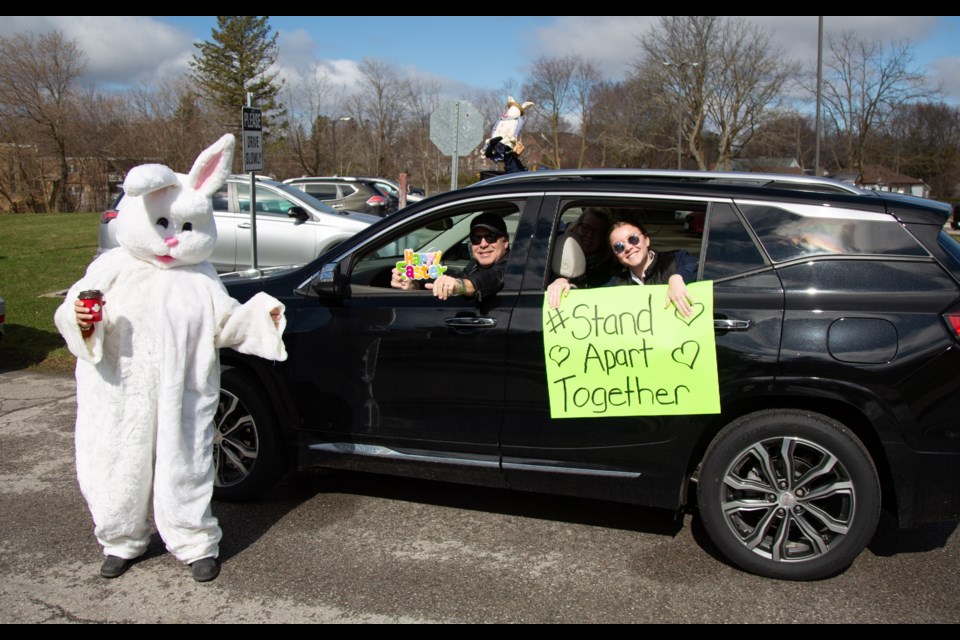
[[590, 231]]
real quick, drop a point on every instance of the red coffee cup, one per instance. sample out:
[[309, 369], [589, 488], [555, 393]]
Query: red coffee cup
[[93, 301]]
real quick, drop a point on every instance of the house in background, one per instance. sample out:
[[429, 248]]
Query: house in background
[[879, 178]]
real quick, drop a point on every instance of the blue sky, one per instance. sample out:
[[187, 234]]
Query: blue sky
[[462, 54]]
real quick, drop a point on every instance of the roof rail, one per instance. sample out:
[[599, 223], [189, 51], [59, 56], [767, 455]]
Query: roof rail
[[780, 180]]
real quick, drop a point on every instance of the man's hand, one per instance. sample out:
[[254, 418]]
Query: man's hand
[[444, 287], [275, 314], [400, 281]]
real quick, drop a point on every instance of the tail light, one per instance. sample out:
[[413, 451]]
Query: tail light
[[108, 215], [953, 321], [376, 201]]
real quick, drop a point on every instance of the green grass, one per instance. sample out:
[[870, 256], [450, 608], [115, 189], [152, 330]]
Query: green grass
[[40, 253]]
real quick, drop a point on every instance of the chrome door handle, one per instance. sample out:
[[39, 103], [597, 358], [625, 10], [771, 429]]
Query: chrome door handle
[[470, 323], [244, 225], [726, 324]]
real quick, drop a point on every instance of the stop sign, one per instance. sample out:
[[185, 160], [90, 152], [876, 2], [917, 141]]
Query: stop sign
[[456, 127]]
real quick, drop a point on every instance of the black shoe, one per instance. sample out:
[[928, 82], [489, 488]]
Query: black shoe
[[205, 569], [113, 567]]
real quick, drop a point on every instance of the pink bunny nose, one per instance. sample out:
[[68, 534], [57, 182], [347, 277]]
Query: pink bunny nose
[[171, 241]]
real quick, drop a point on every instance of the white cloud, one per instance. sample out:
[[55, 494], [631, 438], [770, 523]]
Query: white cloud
[[296, 49], [610, 41], [946, 75], [118, 48]]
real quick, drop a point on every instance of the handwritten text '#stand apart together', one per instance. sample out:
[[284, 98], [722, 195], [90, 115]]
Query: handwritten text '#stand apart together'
[[616, 351]]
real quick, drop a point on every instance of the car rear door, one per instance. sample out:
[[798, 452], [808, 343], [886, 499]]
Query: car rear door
[[637, 459], [281, 239]]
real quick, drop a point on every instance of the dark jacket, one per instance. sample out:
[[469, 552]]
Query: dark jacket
[[487, 281], [665, 264]]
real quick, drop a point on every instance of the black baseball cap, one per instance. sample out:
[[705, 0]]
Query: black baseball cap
[[490, 221]]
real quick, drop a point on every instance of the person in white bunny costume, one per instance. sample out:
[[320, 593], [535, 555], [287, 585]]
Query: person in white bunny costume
[[148, 374]]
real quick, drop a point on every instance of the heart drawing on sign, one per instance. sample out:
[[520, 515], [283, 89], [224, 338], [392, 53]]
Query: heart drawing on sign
[[559, 354], [686, 353], [697, 311]]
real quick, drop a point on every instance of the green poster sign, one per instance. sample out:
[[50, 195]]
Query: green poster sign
[[615, 351]]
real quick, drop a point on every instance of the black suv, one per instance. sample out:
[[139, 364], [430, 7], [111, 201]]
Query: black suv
[[836, 315]]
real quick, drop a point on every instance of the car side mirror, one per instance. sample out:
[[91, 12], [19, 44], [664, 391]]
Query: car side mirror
[[329, 282], [299, 213]]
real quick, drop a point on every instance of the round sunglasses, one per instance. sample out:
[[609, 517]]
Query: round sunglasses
[[634, 240]]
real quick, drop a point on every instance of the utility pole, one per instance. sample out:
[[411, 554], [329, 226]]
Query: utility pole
[[336, 172]]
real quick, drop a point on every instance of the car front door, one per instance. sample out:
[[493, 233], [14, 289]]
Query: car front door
[[418, 381]]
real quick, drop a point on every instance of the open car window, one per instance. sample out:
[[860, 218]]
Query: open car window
[[670, 224], [443, 235]]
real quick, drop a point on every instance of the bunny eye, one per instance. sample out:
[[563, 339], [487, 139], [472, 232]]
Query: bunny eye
[[187, 226], [163, 222]]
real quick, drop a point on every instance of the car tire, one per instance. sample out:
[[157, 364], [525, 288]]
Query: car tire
[[789, 494], [248, 453]]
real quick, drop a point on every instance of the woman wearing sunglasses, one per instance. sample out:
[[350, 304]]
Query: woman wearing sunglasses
[[641, 265]]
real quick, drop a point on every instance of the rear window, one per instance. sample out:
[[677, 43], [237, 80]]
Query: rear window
[[802, 231], [320, 191]]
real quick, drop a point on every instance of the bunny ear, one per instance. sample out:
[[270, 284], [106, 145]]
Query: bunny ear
[[212, 166], [147, 178]]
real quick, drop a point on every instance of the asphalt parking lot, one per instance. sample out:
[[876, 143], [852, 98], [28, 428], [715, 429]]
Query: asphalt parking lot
[[352, 548]]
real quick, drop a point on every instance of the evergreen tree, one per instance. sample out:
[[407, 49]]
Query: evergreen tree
[[239, 60]]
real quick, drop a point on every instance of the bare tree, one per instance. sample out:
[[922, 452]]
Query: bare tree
[[550, 87], [791, 134], [673, 66], [168, 123], [38, 84], [379, 109], [724, 77], [864, 83], [417, 155], [626, 120], [586, 79], [922, 140], [311, 101]]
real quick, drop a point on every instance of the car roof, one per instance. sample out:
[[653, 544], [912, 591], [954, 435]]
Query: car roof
[[776, 180], [328, 179]]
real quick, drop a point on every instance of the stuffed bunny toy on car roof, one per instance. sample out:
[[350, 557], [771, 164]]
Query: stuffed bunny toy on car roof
[[504, 144], [148, 374]]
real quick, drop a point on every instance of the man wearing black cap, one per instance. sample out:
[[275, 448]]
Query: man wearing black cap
[[483, 275]]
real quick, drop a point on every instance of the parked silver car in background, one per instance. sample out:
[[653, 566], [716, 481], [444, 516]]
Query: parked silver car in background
[[392, 187], [293, 227]]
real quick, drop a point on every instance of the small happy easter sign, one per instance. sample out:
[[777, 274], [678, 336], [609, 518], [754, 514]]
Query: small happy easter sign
[[421, 266]]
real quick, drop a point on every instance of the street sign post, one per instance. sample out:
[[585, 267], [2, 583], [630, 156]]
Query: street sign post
[[456, 128], [252, 161], [252, 140]]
